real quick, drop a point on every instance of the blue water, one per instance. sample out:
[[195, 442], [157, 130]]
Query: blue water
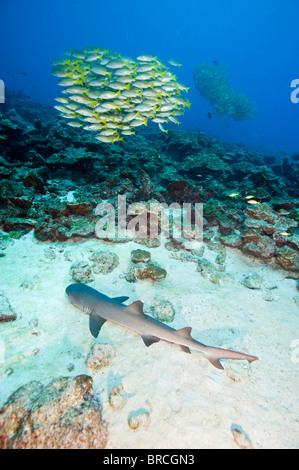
[[256, 40]]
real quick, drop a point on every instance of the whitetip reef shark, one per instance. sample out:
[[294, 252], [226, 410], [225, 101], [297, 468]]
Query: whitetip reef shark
[[102, 308]]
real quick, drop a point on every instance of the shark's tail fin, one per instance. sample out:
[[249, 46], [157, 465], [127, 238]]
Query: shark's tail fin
[[214, 354]]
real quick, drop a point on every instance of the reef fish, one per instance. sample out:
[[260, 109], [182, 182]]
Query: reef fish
[[102, 308]]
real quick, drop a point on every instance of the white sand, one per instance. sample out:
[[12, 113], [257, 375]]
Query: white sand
[[191, 404]]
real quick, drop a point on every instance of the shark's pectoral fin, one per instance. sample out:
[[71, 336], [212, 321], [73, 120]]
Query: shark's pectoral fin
[[95, 324], [215, 362], [148, 340], [121, 299]]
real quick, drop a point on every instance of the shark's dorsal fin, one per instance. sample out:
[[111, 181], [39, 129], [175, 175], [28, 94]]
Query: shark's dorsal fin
[[137, 307], [185, 332], [120, 299], [95, 324]]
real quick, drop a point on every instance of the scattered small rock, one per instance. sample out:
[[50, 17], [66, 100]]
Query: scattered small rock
[[49, 253], [140, 419], [145, 271], [140, 256], [267, 295], [69, 255], [6, 311], [221, 279], [198, 251], [240, 438], [100, 356], [103, 262], [162, 310], [253, 281], [80, 271], [117, 397], [70, 367], [27, 285], [205, 267]]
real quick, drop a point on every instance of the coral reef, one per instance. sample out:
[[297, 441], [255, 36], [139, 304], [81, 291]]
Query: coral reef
[[52, 178]]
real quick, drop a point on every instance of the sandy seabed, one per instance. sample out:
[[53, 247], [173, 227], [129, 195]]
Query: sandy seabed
[[190, 404]]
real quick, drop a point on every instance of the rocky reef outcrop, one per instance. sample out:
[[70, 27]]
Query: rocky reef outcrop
[[52, 178], [60, 415]]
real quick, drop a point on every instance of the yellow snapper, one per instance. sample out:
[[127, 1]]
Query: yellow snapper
[[174, 62], [146, 58], [66, 82], [75, 124], [108, 95], [138, 122], [142, 84], [123, 72], [107, 92], [60, 72], [253, 201], [116, 64], [100, 70], [62, 100], [146, 68]]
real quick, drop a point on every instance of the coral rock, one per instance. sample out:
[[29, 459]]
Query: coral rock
[[103, 262], [240, 438], [146, 271], [80, 271], [60, 415], [288, 258], [117, 397], [257, 245], [140, 256], [100, 356], [233, 240], [162, 310], [6, 311], [253, 281]]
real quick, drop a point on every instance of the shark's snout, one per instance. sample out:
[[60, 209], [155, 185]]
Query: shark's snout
[[74, 293], [70, 289], [80, 295]]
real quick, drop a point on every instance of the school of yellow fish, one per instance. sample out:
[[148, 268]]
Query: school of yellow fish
[[112, 95]]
